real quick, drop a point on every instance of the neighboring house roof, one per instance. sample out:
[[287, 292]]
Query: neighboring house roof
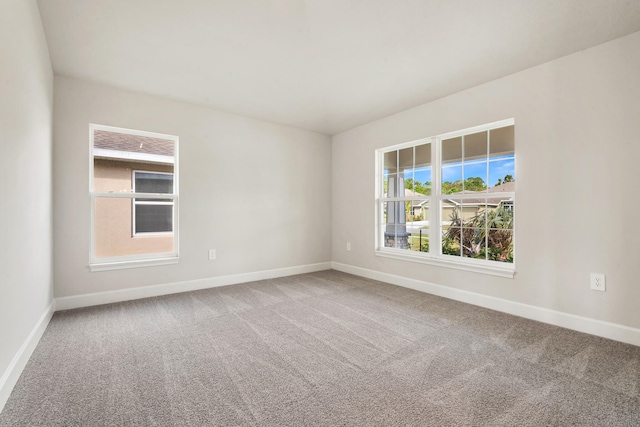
[[411, 193], [508, 187], [132, 143], [132, 148]]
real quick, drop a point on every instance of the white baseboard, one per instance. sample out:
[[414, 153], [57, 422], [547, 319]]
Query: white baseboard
[[587, 325], [19, 361], [98, 298]]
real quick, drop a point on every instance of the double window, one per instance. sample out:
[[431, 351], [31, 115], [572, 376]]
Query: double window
[[134, 198], [449, 200]]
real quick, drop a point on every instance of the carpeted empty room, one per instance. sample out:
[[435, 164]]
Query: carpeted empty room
[[324, 348], [319, 213]]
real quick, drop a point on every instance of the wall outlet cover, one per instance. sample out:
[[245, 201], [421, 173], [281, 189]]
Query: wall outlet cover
[[598, 282]]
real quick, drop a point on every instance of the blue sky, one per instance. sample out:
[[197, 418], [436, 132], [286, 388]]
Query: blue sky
[[498, 168]]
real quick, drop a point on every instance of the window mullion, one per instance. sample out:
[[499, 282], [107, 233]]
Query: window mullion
[[125, 195], [435, 223]]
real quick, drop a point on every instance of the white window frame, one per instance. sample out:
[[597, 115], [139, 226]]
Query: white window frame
[[134, 203], [435, 255], [143, 260]]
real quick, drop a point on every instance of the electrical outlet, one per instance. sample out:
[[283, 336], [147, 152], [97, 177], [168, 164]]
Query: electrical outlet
[[212, 254], [348, 246], [597, 282]]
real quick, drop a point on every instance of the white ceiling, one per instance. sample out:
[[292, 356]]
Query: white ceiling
[[322, 65]]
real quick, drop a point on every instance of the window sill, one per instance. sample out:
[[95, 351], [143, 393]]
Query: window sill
[[119, 265], [507, 271]]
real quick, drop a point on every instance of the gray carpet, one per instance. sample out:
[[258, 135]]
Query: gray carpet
[[319, 349]]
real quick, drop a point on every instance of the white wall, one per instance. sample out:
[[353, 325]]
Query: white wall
[[577, 147], [257, 192], [26, 95]]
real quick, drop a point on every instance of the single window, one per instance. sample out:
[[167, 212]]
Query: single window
[[134, 198], [449, 199], [152, 215]]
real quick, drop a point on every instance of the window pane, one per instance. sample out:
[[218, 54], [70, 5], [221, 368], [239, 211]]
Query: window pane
[[452, 166], [475, 146], [405, 176], [390, 235], [149, 182], [499, 226], [500, 245], [419, 211], [391, 162], [451, 179], [116, 155], [395, 230], [474, 163], [502, 157], [466, 241], [451, 240], [452, 150], [423, 155], [473, 243], [419, 240], [422, 181], [388, 179], [382, 224], [469, 211], [409, 184], [131, 145], [406, 161], [479, 218], [422, 171], [113, 231], [475, 176], [154, 218], [450, 213], [389, 239], [112, 176], [501, 141], [418, 226], [451, 222], [500, 212], [501, 172], [395, 186], [390, 212], [509, 206]]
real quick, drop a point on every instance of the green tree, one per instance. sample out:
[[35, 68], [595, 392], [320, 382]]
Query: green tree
[[475, 184], [507, 178], [449, 187], [472, 184], [421, 188]]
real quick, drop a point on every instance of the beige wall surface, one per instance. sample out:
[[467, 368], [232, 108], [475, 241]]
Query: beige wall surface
[[576, 133], [115, 175], [257, 192], [26, 96]]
